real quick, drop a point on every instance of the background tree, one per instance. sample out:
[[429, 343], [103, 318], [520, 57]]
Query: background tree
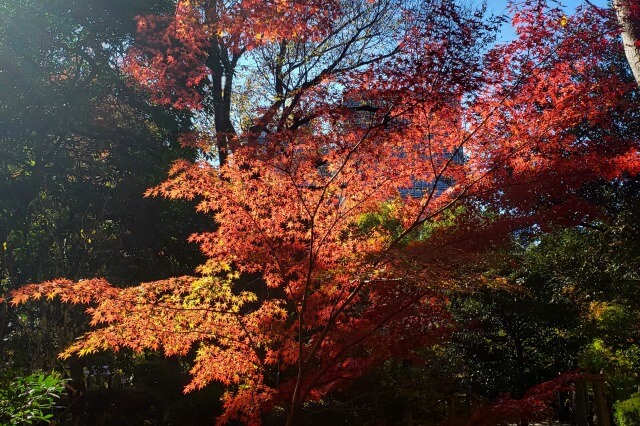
[[78, 147], [596, 267]]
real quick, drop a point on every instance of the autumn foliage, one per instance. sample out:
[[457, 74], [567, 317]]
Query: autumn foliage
[[322, 114], [535, 406]]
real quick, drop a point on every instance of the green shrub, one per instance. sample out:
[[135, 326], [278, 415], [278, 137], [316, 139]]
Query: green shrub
[[28, 399], [627, 412]]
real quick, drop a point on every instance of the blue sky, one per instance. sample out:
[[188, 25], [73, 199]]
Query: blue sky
[[500, 6]]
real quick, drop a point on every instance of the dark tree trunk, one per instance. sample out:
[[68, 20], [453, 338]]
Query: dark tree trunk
[[581, 403]]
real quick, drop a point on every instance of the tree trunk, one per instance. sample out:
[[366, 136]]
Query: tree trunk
[[581, 403], [77, 374], [293, 418], [78, 384], [629, 25], [602, 410], [407, 413]]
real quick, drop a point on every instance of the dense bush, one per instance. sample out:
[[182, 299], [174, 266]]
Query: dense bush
[[28, 399], [627, 412]]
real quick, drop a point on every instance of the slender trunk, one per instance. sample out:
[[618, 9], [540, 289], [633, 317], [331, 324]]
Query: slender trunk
[[581, 403], [79, 387], [222, 68], [407, 413], [521, 378], [602, 410], [77, 374], [629, 25], [293, 418]]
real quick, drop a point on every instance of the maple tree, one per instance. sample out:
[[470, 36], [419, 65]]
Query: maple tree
[[315, 117], [536, 405]]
